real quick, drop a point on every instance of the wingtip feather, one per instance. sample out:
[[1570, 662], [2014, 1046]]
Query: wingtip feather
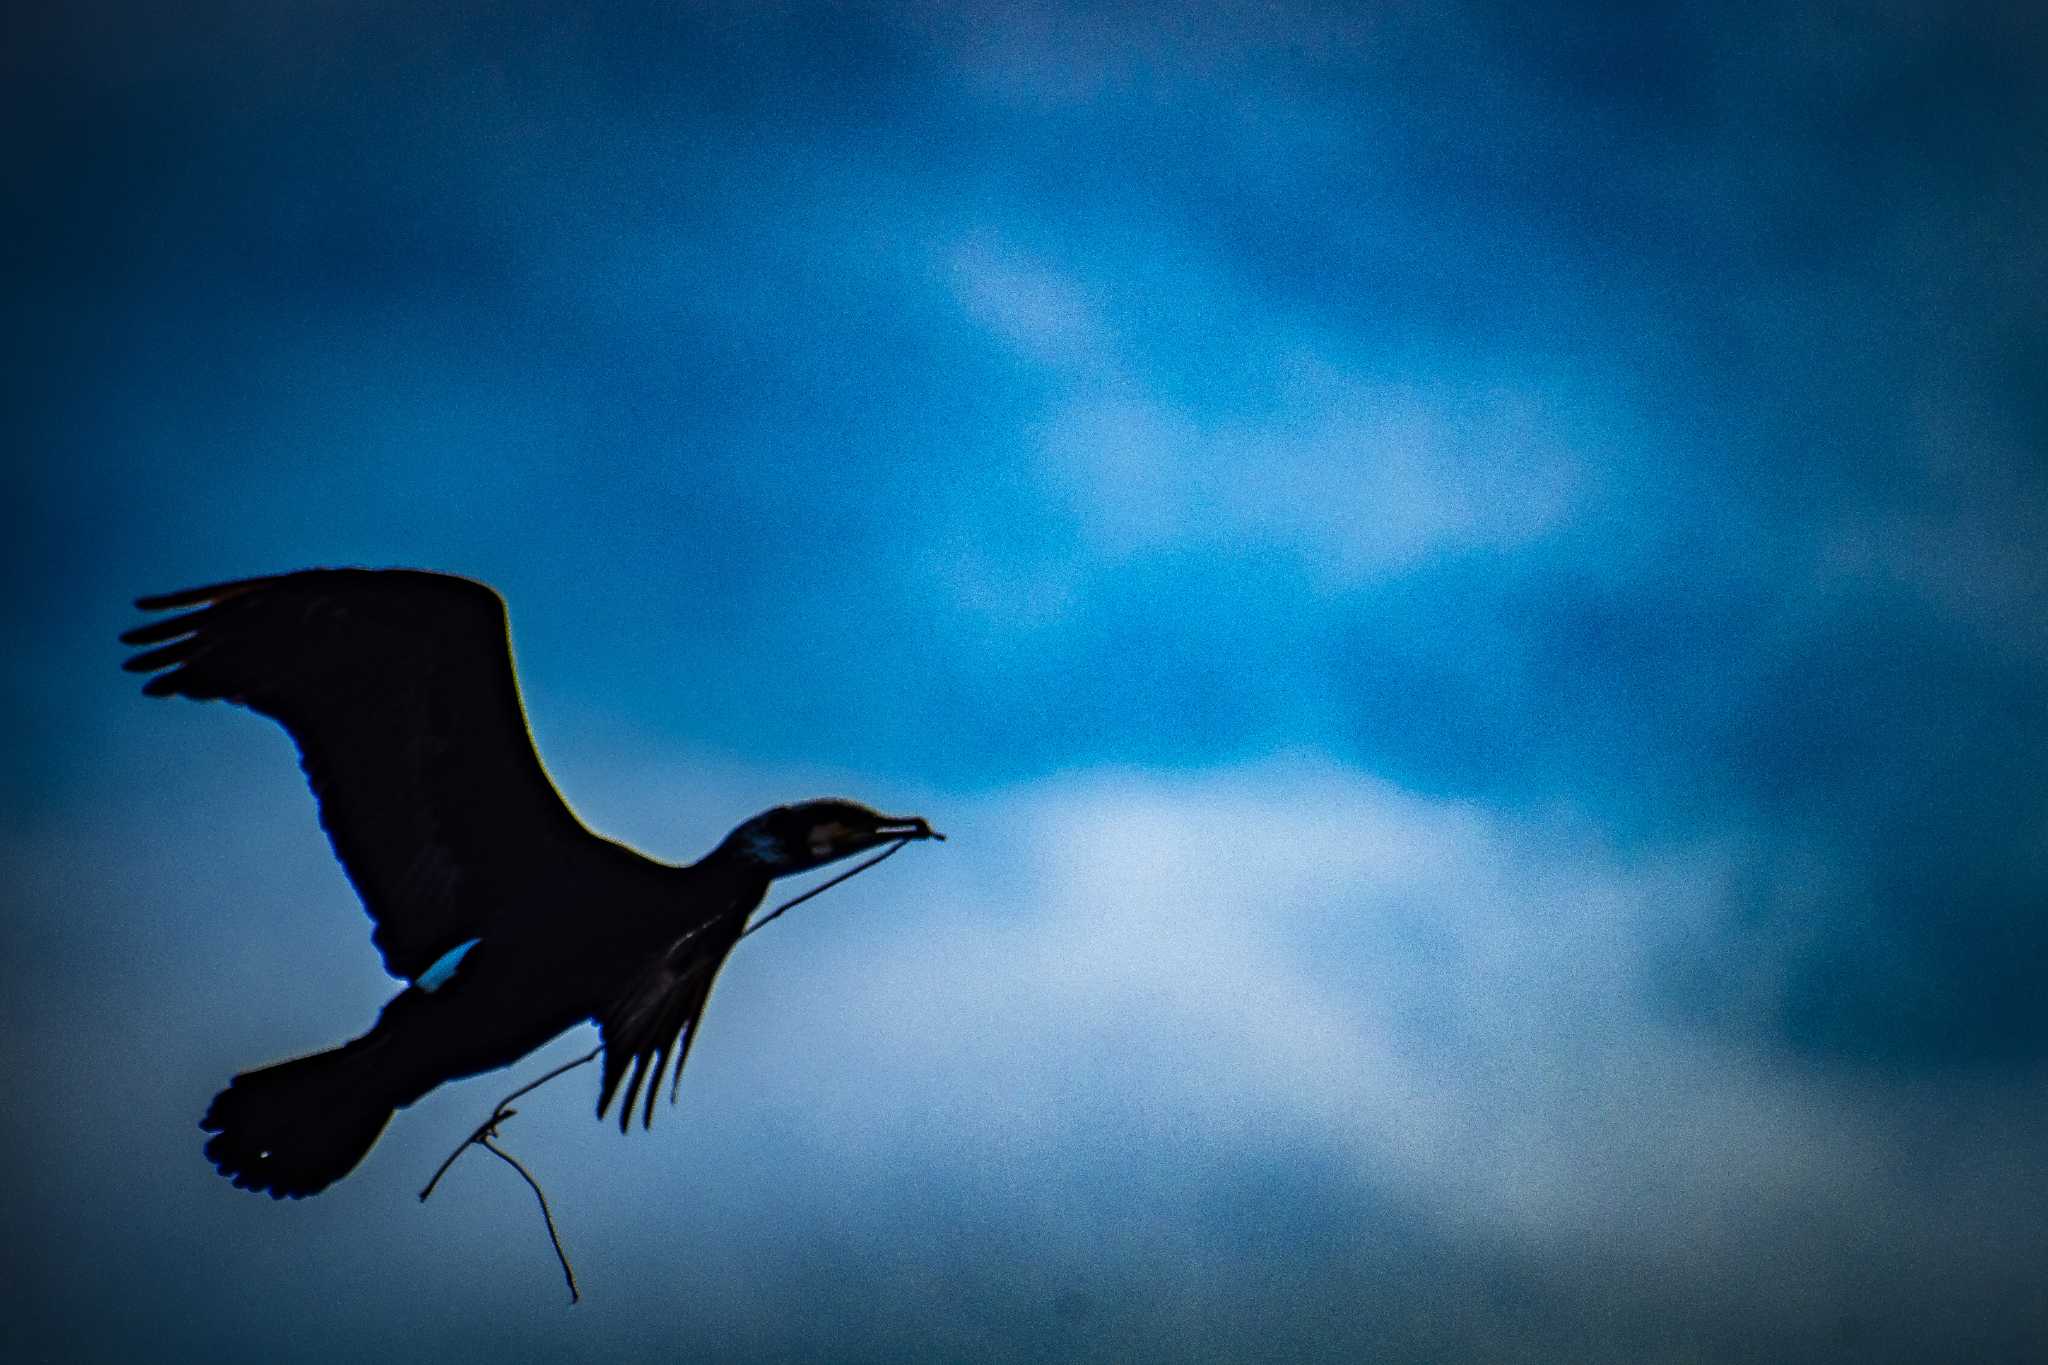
[[212, 592], [150, 660], [165, 628]]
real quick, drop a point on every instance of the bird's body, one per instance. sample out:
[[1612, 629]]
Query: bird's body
[[511, 921]]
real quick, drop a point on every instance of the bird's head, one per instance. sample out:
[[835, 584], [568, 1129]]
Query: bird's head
[[792, 839]]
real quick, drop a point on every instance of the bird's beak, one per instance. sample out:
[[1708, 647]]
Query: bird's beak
[[906, 827]]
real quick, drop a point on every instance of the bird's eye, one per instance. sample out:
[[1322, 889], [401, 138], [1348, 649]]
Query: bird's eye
[[825, 838]]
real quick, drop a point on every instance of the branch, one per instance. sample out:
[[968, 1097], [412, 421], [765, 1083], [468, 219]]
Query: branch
[[488, 1129], [822, 887], [483, 1133], [546, 1215]]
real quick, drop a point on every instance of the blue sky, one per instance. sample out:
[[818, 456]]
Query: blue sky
[[1467, 583]]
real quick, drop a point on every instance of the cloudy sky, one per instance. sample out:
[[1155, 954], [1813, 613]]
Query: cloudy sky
[[1467, 584]]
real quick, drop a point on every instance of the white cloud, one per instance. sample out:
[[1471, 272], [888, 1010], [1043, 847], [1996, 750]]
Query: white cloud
[[1359, 479], [1289, 954], [1355, 475], [1105, 993], [1042, 313]]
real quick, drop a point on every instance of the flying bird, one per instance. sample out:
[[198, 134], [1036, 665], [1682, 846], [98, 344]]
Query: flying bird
[[509, 920]]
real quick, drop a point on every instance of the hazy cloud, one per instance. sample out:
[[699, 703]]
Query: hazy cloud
[[1107, 1000]]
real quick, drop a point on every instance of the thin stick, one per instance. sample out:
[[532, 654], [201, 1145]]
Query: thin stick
[[483, 1133], [489, 1127], [776, 913], [546, 1215]]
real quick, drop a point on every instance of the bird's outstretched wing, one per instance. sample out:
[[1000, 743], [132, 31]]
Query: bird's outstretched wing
[[652, 1024], [397, 686]]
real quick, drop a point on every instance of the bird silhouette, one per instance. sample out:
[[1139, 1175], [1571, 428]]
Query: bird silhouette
[[510, 921]]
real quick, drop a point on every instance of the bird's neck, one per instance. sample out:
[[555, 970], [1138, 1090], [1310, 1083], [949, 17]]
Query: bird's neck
[[724, 876]]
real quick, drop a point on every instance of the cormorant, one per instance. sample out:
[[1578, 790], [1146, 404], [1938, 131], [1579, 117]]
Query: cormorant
[[510, 920]]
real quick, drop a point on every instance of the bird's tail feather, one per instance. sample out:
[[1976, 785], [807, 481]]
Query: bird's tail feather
[[295, 1128]]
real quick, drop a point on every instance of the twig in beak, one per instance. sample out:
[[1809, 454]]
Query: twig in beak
[[795, 901]]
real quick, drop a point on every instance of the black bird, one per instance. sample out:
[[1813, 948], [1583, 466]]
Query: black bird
[[511, 921]]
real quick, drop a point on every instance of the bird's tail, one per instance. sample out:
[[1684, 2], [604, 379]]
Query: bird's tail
[[293, 1129]]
